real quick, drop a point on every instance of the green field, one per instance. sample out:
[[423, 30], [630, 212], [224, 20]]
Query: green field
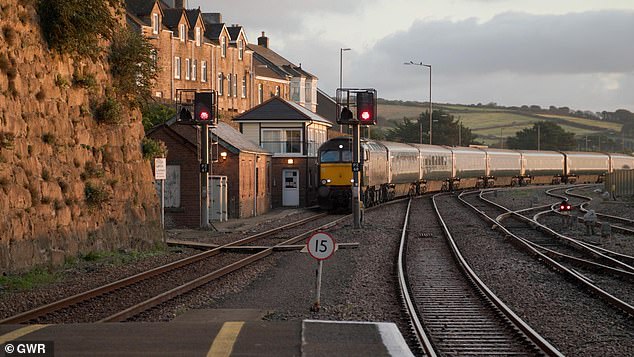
[[491, 124]]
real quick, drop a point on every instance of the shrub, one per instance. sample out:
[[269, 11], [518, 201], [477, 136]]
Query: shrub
[[92, 171], [6, 140], [95, 194], [9, 34], [84, 81], [4, 63], [109, 111], [76, 26], [132, 65], [153, 148], [156, 113], [48, 138], [61, 82], [46, 175], [40, 96]]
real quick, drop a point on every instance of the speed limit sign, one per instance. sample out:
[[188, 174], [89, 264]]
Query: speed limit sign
[[321, 245]]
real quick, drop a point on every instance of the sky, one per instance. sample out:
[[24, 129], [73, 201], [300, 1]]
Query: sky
[[573, 53]]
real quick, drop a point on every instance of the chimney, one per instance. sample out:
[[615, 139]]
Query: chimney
[[212, 18], [263, 41], [180, 4]]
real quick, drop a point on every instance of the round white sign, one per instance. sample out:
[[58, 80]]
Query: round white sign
[[320, 245]]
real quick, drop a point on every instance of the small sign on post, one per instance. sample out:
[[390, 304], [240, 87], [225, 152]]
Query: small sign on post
[[320, 246], [160, 173]]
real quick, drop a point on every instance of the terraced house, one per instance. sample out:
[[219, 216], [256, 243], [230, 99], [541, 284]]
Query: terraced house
[[196, 50]]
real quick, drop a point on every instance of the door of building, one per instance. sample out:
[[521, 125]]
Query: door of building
[[290, 188]]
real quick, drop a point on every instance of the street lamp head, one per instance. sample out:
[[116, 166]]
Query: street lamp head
[[346, 49]]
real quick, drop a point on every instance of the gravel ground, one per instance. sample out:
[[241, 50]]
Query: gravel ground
[[357, 284], [571, 319]]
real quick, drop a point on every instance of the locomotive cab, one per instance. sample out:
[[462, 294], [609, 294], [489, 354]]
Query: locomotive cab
[[335, 173]]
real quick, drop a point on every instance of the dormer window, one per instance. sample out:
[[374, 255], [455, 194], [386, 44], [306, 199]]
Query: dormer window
[[240, 50], [155, 24], [224, 46], [181, 32], [198, 37]]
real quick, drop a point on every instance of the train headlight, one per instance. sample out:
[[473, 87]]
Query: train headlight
[[325, 181]]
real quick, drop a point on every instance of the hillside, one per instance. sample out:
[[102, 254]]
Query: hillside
[[68, 183], [492, 124]]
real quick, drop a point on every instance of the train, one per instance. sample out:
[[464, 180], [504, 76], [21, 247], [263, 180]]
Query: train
[[391, 169]]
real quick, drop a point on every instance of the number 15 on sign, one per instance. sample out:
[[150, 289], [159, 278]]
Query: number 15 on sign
[[320, 246]]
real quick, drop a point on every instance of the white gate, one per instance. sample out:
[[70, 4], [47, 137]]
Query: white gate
[[218, 204]]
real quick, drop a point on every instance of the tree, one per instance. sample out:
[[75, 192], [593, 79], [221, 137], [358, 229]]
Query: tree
[[551, 137], [446, 130]]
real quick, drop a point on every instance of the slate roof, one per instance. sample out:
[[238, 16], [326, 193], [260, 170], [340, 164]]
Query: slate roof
[[213, 31], [192, 16], [140, 8], [279, 61], [278, 109], [326, 106], [234, 32], [228, 137], [171, 17], [265, 68]]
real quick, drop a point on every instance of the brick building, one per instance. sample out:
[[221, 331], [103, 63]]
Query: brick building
[[247, 168]]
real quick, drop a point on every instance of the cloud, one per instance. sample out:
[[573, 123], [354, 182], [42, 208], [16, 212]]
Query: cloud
[[581, 60]]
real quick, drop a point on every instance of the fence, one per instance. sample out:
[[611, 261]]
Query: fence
[[621, 181]]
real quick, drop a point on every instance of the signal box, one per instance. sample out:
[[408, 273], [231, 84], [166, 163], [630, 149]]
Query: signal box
[[196, 108]]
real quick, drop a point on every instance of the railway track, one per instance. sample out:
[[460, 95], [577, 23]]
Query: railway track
[[147, 289], [609, 278], [451, 310], [618, 224]]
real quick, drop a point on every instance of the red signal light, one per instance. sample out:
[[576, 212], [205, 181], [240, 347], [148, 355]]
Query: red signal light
[[365, 115], [568, 207], [562, 208], [204, 115]]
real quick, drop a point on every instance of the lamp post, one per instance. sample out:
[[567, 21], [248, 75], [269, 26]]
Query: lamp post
[[341, 74], [430, 107]]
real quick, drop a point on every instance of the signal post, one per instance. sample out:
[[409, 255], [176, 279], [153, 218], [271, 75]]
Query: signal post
[[364, 100], [205, 115]]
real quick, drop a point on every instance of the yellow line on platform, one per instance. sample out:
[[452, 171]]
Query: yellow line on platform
[[226, 338], [20, 332]]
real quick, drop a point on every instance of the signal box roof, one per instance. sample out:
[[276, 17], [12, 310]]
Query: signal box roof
[[279, 109]]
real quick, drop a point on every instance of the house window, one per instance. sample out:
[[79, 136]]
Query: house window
[[223, 47], [277, 91], [244, 86], [198, 38], [155, 24], [203, 71], [295, 93], [282, 141], [309, 93], [235, 85], [194, 69], [187, 69], [221, 83], [230, 86], [240, 50], [260, 93], [177, 67], [181, 32]]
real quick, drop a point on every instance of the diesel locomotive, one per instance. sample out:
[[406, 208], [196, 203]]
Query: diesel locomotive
[[390, 169]]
